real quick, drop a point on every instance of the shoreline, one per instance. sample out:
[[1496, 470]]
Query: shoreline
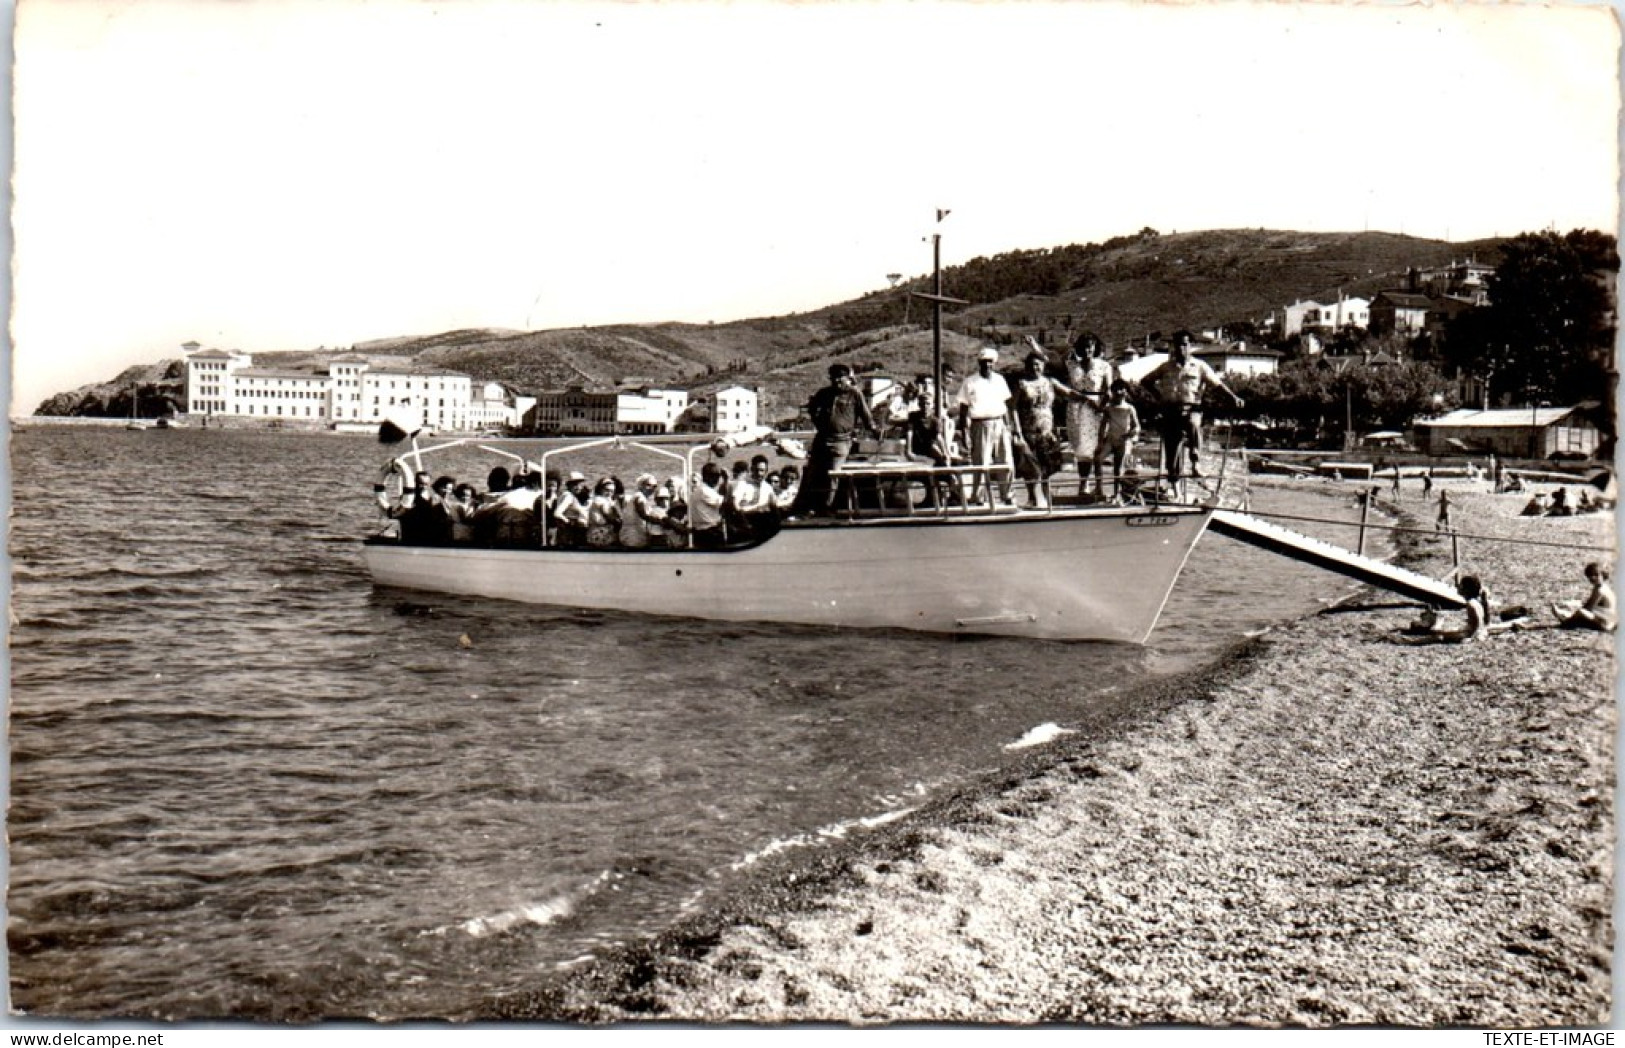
[[1326, 827]]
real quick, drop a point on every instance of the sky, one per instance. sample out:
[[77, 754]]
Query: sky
[[284, 174]]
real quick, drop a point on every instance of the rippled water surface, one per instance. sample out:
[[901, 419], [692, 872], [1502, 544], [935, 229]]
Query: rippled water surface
[[246, 783]]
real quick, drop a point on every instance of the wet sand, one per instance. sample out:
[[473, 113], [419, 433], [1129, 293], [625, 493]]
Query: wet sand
[[1330, 827]]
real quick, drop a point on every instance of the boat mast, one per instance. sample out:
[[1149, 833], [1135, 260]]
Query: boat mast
[[937, 298], [936, 318]]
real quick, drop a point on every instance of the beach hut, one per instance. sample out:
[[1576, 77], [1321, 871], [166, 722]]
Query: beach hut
[[1511, 432]]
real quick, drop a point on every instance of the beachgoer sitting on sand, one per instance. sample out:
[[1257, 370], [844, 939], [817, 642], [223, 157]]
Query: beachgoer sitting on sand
[[1560, 504], [1597, 611], [1478, 624], [1537, 506]]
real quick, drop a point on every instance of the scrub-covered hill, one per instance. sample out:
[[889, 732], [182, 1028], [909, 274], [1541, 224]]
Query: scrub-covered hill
[[1128, 287]]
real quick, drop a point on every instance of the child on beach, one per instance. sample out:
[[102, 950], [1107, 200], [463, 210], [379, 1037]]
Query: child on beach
[[1478, 625], [1597, 611]]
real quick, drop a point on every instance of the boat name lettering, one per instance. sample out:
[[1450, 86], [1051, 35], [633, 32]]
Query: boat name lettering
[[1159, 520]]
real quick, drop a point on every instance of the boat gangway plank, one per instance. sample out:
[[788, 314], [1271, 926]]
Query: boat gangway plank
[[1300, 547]]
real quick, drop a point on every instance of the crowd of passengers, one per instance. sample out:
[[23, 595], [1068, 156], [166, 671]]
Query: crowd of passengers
[[722, 508]]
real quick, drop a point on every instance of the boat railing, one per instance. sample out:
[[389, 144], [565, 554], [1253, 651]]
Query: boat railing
[[911, 488]]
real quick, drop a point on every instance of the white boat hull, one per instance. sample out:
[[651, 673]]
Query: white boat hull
[[1069, 575]]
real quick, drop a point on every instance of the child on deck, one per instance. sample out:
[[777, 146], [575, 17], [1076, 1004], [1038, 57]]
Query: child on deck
[[1119, 428]]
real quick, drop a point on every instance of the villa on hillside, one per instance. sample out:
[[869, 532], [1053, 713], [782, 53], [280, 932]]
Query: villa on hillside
[[347, 390], [1305, 316], [1239, 358], [1467, 280], [1399, 312]]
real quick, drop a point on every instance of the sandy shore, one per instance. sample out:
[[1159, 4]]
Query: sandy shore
[[1329, 828]]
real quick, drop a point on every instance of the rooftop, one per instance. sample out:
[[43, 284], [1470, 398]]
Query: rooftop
[[1501, 417]]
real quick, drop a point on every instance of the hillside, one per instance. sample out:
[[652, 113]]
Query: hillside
[[1127, 287]]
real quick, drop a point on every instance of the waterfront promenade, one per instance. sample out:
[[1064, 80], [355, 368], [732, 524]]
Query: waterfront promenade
[[1330, 828]]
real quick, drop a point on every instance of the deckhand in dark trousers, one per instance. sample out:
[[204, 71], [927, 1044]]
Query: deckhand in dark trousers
[[1181, 427], [817, 494]]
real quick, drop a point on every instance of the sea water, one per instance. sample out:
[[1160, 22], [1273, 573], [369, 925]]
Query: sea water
[[246, 783]]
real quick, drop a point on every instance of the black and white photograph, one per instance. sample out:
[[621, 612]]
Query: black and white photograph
[[640, 515]]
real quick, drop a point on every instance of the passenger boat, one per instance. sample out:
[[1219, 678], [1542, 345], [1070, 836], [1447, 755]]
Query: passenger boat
[[1064, 573], [1095, 572]]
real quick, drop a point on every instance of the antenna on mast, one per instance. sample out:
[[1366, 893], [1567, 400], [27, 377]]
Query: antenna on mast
[[937, 298]]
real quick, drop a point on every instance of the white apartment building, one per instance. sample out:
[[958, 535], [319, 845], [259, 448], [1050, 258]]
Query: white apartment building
[[349, 389], [649, 410], [733, 409]]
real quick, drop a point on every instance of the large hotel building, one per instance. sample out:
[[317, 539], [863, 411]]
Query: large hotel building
[[348, 389]]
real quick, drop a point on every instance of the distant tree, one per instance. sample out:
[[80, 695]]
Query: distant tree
[[1548, 331], [1321, 394]]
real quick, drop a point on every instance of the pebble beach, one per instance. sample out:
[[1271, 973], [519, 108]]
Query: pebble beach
[[1330, 827]]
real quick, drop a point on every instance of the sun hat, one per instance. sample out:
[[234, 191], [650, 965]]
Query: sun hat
[[575, 475], [988, 353]]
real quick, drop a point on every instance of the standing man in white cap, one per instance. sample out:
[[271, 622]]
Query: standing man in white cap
[[984, 413]]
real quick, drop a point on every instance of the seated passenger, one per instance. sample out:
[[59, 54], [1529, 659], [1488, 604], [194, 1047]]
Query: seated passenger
[[569, 513], [663, 531], [789, 485], [514, 515], [755, 502], [706, 508], [420, 512], [603, 516], [464, 503], [637, 514]]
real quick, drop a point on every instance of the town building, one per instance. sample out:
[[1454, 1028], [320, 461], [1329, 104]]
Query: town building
[[497, 408], [349, 389], [1533, 432], [1399, 313], [575, 411], [1239, 358], [1467, 280], [649, 410], [1332, 316], [733, 409]]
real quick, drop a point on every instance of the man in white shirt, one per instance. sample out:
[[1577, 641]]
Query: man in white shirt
[[705, 507], [754, 500], [984, 413]]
